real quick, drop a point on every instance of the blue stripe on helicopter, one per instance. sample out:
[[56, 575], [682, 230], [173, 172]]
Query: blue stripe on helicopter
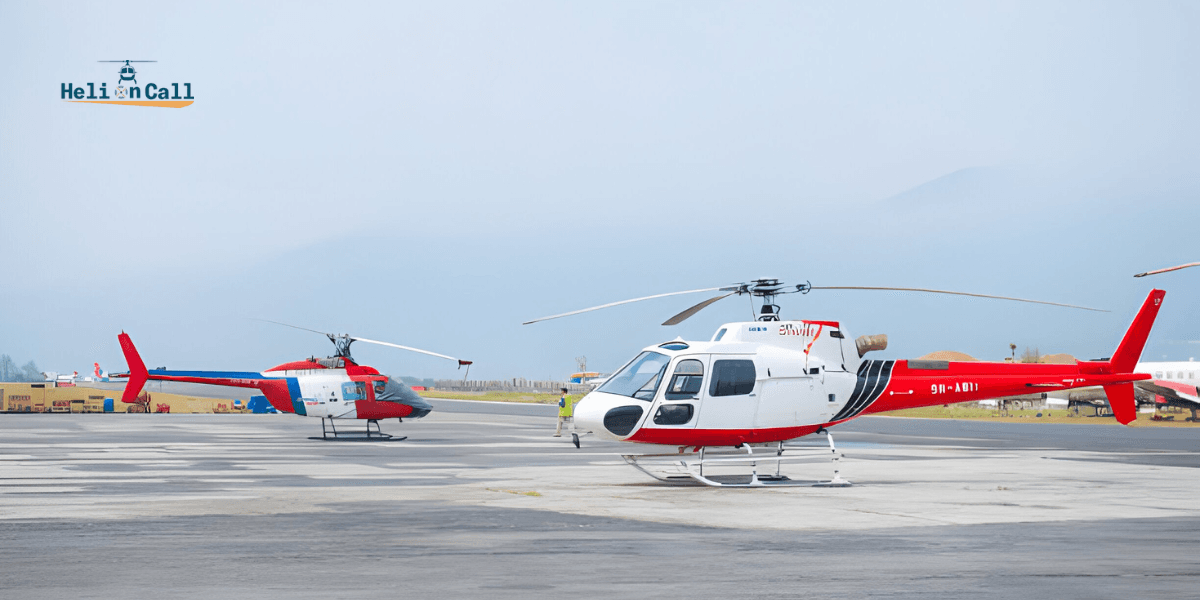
[[211, 374], [292, 383], [293, 388]]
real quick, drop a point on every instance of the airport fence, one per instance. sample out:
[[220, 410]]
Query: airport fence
[[516, 384]]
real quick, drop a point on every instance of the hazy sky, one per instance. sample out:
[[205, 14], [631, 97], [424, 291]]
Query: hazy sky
[[435, 173]]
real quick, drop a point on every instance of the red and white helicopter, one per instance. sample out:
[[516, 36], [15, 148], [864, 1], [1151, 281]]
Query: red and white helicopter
[[768, 381], [329, 388]]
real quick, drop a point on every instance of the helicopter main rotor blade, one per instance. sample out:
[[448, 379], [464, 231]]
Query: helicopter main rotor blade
[[929, 291], [460, 362], [294, 326], [360, 339], [611, 304], [683, 316], [1168, 269]]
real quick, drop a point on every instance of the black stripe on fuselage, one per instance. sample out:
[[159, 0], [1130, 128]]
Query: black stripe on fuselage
[[873, 377]]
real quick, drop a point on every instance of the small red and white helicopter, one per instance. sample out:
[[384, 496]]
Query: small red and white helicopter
[[768, 381], [329, 388]]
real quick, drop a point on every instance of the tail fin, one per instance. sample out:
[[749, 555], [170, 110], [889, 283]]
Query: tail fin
[[1130, 349], [1120, 395], [137, 370]]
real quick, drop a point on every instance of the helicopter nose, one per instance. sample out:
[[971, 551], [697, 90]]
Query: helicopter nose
[[607, 415], [420, 408]]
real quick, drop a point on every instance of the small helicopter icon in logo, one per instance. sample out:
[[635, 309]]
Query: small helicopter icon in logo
[[128, 73]]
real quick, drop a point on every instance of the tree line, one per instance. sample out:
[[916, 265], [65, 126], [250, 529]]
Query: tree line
[[9, 371]]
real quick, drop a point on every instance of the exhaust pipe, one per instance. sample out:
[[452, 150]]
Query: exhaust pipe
[[870, 343]]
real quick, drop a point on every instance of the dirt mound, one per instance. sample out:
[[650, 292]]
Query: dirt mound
[[1058, 359], [949, 355]]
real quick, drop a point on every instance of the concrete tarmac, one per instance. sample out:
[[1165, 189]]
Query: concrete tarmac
[[480, 501]]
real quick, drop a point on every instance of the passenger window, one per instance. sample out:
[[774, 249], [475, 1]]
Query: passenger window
[[687, 380], [354, 390], [732, 378], [720, 334]]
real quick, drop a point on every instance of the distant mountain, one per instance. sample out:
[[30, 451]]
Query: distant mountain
[[970, 186]]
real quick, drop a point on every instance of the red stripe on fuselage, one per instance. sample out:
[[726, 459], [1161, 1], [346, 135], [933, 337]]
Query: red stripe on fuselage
[[719, 437], [973, 381], [833, 324]]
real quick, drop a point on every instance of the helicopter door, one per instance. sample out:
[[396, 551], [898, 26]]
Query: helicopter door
[[730, 399], [680, 403], [792, 382], [352, 392], [328, 395]]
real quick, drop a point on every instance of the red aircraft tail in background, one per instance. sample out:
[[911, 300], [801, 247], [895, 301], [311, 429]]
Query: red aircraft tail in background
[[915, 383], [138, 375]]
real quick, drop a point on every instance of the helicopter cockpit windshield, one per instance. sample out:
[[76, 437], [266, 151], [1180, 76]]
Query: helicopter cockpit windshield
[[394, 391], [640, 378]]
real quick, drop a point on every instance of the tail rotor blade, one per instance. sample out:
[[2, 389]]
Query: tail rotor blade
[[683, 316], [930, 291]]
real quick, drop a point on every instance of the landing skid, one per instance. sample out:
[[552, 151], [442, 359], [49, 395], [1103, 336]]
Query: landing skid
[[331, 434], [683, 468]]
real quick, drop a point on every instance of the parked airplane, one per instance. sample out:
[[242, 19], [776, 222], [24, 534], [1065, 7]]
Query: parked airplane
[[1174, 382]]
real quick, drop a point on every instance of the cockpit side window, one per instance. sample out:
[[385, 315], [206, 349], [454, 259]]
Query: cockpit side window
[[687, 381]]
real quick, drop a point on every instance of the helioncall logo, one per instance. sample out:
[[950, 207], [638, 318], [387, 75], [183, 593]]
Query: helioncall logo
[[173, 95]]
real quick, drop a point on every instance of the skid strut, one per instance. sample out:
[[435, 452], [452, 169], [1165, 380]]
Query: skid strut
[[331, 434], [684, 467], [837, 480]]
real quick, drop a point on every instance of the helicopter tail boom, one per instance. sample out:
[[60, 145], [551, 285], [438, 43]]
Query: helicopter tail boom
[[893, 385], [280, 392]]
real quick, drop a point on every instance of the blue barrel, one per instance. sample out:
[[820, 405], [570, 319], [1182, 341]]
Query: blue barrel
[[108, 405]]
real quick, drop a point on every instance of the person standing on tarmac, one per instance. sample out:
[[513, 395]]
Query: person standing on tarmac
[[565, 407]]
